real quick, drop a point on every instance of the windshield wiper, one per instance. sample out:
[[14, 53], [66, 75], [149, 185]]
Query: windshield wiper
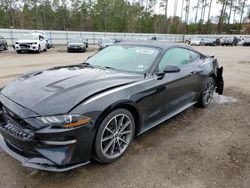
[[107, 67], [87, 65]]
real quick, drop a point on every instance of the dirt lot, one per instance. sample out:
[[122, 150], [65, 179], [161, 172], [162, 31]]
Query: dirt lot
[[199, 148]]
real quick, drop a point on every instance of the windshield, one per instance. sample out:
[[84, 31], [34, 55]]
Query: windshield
[[76, 41], [125, 58], [30, 37]]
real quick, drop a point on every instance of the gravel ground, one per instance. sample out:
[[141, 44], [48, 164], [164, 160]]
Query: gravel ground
[[199, 148]]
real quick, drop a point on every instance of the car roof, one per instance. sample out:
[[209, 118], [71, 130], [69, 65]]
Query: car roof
[[151, 43], [158, 44]]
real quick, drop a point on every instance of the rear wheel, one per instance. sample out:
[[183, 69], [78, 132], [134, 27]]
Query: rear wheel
[[39, 49], [114, 136], [6, 47], [207, 92]]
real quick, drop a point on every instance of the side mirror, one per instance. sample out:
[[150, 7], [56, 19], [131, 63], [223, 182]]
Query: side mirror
[[171, 69]]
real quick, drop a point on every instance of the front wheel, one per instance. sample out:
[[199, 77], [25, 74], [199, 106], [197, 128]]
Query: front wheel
[[6, 47], [207, 92], [114, 136], [39, 49]]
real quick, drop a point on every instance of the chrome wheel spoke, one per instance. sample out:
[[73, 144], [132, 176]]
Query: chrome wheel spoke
[[108, 146], [116, 124], [121, 120], [112, 148], [119, 145], [108, 129], [125, 125], [107, 138], [125, 132], [124, 141]]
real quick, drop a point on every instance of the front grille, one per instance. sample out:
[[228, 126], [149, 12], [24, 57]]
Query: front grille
[[24, 45], [18, 132], [14, 125]]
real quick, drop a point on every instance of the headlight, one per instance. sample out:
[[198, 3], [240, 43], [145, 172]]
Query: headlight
[[65, 121]]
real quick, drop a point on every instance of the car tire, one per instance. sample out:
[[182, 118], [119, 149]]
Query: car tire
[[39, 49], [18, 51], [84, 50], [6, 47], [207, 92], [114, 136]]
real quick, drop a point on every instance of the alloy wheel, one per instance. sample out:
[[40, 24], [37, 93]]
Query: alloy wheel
[[116, 136], [209, 91]]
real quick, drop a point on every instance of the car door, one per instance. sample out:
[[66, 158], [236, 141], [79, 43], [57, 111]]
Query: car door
[[175, 90]]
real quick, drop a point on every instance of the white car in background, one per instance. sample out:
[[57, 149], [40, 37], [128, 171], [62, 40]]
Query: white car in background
[[35, 42], [197, 42]]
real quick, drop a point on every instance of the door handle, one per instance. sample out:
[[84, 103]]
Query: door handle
[[193, 72]]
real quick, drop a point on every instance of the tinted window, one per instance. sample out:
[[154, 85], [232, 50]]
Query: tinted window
[[174, 56]]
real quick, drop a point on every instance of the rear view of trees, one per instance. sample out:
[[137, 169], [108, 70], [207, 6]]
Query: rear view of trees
[[150, 16]]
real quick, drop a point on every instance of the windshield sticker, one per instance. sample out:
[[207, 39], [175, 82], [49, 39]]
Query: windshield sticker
[[140, 66], [145, 51]]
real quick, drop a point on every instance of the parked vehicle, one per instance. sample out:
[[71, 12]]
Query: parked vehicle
[[197, 42], [3, 44], [76, 45], [61, 117], [209, 41], [246, 42], [45, 35], [105, 42], [229, 41], [163, 39], [31, 42]]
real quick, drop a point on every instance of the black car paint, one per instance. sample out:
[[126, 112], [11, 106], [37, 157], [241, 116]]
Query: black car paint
[[94, 92]]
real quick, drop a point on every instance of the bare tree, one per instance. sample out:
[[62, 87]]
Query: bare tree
[[241, 14], [209, 10], [197, 9]]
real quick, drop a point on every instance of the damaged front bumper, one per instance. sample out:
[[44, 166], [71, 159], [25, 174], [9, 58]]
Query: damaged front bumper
[[36, 162], [45, 148]]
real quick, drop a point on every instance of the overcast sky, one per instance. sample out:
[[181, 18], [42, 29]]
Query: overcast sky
[[215, 10]]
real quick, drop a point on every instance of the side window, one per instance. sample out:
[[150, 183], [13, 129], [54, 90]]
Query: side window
[[174, 56], [194, 56], [41, 38]]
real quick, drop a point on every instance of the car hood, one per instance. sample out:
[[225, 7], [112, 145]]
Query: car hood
[[26, 41], [58, 90]]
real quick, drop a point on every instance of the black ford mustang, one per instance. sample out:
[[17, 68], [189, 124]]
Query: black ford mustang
[[60, 118]]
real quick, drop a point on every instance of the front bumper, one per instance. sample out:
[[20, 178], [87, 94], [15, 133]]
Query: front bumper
[[45, 148], [76, 49], [36, 162], [26, 47]]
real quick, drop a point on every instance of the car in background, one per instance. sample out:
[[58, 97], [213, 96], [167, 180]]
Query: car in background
[[45, 35], [77, 45], [35, 42], [246, 42], [229, 41], [105, 42], [163, 39], [209, 41], [3, 44], [197, 42]]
